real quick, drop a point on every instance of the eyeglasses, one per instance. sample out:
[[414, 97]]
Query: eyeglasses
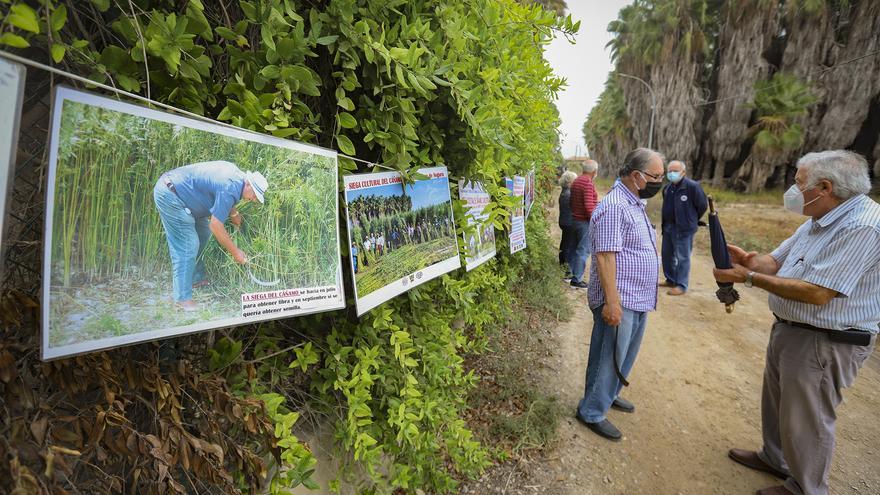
[[656, 177]]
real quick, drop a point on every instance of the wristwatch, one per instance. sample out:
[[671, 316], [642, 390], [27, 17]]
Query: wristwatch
[[748, 282]]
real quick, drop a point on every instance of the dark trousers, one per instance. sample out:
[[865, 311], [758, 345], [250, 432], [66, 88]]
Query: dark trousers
[[566, 244]]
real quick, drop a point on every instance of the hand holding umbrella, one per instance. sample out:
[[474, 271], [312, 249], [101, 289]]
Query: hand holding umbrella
[[720, 254]]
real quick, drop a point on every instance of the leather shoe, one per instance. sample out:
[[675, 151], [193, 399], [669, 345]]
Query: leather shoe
[[666, 283], [623, 405], [603, 428], [676, 291], [750, 459], [774, 490]]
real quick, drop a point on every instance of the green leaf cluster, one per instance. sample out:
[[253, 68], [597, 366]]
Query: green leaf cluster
[[778, 103]]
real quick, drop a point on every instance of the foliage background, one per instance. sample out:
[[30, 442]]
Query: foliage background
[[743, 87], [404, 83]]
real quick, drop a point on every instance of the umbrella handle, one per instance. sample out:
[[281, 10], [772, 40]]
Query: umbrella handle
[[711, 205], [729, 308]]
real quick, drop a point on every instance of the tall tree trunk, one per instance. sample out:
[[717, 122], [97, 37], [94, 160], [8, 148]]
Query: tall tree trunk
[[679, 118], [746, 34], [851, 81]]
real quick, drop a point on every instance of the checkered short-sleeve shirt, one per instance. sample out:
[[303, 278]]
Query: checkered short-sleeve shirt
[[621, 225]]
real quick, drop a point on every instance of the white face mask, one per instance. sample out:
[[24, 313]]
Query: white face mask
[[794, 199]]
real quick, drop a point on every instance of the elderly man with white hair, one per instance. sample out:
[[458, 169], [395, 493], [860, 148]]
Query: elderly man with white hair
[[583, 200], [194, 202], [824, 283]]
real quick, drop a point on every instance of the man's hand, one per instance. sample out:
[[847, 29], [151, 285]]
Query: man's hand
[[612, 313], [739, 256], [737, 274], [236, 218], [239, 257]]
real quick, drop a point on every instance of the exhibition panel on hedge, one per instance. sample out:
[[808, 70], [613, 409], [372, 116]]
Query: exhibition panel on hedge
[[517, 187], [160, 225], [12, 76], [481, 243], [401, 236]]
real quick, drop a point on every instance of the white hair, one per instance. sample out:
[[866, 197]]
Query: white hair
[[590, 167], [848, 171], [683, 166], [567, 178]]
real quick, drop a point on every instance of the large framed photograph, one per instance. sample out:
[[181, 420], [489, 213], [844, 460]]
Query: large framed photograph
[[400, 237], [12, 77], [517, 238], [160, 225], [481, 243]]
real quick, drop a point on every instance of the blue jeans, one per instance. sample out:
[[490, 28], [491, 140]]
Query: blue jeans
[[676, 253], [602, 384], [187, 237], [577, 261]]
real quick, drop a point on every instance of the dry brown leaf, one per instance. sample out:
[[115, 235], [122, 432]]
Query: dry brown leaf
[[7, 367], [38, 429]]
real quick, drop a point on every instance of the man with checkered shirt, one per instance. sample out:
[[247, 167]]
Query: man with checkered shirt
[[622, 287]]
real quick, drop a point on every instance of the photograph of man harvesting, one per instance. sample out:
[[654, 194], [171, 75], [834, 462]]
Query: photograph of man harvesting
[[194, 202]]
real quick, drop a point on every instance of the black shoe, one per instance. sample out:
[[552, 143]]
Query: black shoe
[[604, 428], [623, 405], [579, 285]]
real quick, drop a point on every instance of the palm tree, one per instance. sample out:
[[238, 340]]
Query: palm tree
[[778, 104]]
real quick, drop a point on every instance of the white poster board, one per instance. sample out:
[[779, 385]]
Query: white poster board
[[517, 239], [481, 244], [131, 249], [12, 77], [399, 237]]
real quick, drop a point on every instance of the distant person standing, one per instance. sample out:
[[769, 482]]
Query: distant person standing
[[565, 220], [583, 201], [622, 289], [354, 256], [684, 203], [368, 246]]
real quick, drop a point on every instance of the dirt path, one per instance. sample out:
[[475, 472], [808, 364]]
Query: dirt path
[[696, 387]]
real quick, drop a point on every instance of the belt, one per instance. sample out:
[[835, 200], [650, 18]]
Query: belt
[[850, 336], [168, 183]]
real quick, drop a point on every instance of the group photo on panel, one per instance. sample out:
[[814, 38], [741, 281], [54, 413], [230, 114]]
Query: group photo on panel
[[822, 282]]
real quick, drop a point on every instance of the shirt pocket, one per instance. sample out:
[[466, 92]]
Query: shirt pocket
[[794, 266]]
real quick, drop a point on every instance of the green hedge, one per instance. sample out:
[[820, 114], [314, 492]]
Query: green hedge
[[460, 83]]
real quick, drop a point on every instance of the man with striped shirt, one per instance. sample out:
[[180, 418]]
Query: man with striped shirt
[[582, 199], [824, 283], [622, 288]]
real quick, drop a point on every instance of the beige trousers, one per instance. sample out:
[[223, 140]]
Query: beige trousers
[[804, 377]]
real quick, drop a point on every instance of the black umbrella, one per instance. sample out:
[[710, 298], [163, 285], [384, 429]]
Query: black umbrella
[[725, 293]]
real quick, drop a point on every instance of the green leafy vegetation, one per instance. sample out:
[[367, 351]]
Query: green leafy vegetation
[[403, 83], [778, 102]]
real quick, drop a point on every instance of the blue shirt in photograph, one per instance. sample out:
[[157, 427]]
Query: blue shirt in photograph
[[208, 188]]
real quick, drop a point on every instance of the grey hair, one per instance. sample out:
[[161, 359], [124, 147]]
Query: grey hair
[[637, 160], [590, 167], [683, 166], [848, 171], [567, 178]]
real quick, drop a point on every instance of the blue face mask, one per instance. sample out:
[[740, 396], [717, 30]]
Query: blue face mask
[[673, 176]]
